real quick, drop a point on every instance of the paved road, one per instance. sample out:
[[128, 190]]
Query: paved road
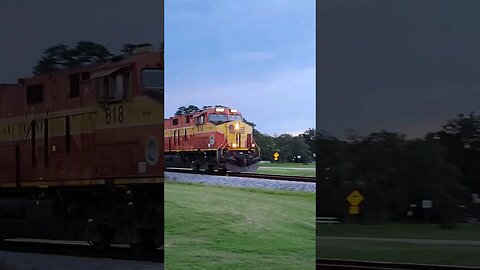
[[28, 261], [405, 240]]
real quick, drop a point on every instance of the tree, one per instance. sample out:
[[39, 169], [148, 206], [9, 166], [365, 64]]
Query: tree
[[266, 143], [209, 106], [53, 59], [335, 164], [461, 138], [60, 57], [187, 110], [129, 48], [310, 137]]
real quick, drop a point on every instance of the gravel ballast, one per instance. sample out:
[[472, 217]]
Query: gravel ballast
[[241, 182]]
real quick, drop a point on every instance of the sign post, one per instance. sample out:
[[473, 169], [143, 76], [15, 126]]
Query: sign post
[[354, 199], [427, 209], [275, 156]]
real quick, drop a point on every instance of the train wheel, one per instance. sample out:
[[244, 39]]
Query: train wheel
[[100, 245], [210, 169], [97, 235], [196, 167], [147, 245], [222, 171]]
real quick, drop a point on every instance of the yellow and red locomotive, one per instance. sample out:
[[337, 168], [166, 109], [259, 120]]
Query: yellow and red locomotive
[[81, 154], [216, 138]]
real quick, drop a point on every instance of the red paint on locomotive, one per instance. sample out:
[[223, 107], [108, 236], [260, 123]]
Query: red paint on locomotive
[[78, 135], [215, 138]]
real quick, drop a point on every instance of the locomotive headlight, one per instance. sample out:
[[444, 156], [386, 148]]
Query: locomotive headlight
[[151, 152], [253, 145], [237, 126], [234, 145]]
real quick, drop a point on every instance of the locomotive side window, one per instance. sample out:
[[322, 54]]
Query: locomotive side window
[[114, 87], [200, 120], [85, 76], [34, 94], [187, 119], [174, 122], [74, 85], [153, 79]]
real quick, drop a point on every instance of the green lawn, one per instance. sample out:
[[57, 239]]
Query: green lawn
[[431, 231], [400, 252], [297, 169], [208, 227], [289, 164]]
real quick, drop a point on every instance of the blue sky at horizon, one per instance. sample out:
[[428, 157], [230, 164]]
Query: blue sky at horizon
[[255, 56]]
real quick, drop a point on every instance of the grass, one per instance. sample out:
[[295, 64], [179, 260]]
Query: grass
[[296, 169], [431, 231], [208, 227], [400, 252]]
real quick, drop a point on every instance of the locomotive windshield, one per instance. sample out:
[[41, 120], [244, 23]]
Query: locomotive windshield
[[153, 83], [217, 117], [234, 118], [223, 117]]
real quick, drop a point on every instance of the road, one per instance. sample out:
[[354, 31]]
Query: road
[[405, 240]]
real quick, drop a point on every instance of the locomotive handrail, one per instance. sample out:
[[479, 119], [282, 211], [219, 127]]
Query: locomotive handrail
[[223, 147], [259, 153], [28, 132]]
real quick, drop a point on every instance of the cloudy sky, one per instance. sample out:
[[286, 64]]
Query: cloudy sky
[[254, 56], [404, 65]]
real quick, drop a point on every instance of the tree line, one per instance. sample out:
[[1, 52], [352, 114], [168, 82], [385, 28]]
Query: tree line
[[396, 175], [83, 53]]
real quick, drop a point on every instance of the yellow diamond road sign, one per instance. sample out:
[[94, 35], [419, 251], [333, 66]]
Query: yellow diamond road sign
[[276, 155], [355, 198]]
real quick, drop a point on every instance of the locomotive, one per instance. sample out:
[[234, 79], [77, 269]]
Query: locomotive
[[81, 154], [216, 138]]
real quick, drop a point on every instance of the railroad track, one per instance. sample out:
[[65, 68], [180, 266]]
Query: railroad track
[[248, 175], [351, 265], [78, 249]]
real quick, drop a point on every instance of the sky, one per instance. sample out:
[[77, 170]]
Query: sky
[[254, 56], [404, 65], [28, 27]]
